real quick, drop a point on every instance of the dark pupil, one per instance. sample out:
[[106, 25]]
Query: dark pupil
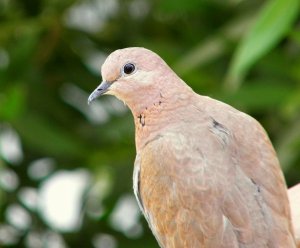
[[129, 68]]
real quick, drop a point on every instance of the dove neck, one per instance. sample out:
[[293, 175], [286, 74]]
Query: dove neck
[[162, 111]]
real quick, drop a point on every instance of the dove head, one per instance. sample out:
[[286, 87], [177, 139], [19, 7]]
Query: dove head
[[137, 76]]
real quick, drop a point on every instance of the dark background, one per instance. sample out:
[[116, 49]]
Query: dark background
[[58, 155]]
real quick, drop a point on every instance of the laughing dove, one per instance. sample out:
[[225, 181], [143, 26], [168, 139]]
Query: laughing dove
[[205, 174]]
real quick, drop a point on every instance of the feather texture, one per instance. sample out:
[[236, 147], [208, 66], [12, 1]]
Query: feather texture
[[206, 174]]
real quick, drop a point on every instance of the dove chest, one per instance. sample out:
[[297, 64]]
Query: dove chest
[[156, 196], [165, 181]]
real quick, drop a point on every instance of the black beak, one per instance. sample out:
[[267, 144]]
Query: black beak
[[100, 90]]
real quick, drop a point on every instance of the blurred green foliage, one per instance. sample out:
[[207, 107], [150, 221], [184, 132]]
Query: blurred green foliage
[[243, 52]]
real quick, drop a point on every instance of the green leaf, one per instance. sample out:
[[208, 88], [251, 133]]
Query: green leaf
[[46, 137], [257, 96], [12, 102], [273, 23]]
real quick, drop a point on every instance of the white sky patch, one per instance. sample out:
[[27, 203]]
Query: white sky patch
[[125, 217], [34, 240], [8, 235], [60, 200], [29, 197], [98, 112], [4, 59], [139, 8], [76, 97], [90, 16], [116, 106], [10, 145], [102, 186], [9, 180], [54, 240], [47, 239], [18, 217], [41, 168], [94, 60], [104, 241]]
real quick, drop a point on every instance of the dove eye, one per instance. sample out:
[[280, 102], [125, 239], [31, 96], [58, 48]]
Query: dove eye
[[128, 68]]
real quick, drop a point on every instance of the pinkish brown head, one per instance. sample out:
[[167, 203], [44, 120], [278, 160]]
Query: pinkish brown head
[[134, 75]]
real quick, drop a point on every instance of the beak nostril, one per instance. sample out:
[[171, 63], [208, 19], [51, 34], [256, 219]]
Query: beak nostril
[[100, 90]]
